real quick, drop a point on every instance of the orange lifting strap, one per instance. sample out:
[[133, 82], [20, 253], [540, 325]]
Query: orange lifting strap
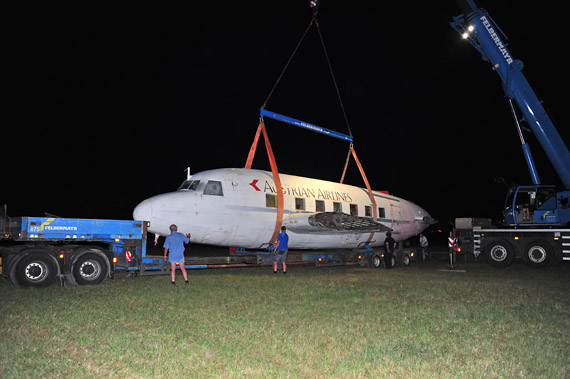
[[273, 164], [374, 207]]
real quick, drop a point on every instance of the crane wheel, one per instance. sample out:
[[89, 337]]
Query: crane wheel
[[538, 254], [499, 253]]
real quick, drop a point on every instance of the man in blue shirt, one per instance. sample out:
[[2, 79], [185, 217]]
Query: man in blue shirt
[[281, 249], [175, 244]]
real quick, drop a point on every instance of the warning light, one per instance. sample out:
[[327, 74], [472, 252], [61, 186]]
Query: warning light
[[117, 239], [61, 256], [413, 254], [360, 257], [320, 259], [516, 238], [114, 259]]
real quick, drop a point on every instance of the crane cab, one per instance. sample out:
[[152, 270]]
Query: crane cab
[[537, 204]]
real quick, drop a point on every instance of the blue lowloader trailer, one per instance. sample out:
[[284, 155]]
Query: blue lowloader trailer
[[36, 251]]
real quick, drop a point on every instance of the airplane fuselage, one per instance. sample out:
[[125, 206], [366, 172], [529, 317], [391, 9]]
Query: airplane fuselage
[[238, 207]]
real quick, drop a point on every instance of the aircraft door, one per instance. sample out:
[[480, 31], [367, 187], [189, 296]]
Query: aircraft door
[[395, 217], [236, 216]]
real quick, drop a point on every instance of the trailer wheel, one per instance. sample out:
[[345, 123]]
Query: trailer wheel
[[538, 254], [499, 253], [36, 269], [90, 268], [405, 260], [375, 261]]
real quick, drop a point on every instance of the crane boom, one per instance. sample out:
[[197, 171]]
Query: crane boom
[[480, 30]]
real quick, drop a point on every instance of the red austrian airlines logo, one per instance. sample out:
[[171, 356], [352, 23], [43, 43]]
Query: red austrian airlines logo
[[254, 184]]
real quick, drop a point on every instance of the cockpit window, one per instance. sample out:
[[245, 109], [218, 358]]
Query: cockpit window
[[185, 185], [194, 185], [214, 188], [189, 185]]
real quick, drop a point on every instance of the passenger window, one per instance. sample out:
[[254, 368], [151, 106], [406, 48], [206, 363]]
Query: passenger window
[[319, 205], [367, 211], [337, 207], [299, 204], [381, 213], [354, 209], [213, 188], [270, 200]]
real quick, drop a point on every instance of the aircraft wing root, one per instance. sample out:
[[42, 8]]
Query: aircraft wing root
[[332, 223]]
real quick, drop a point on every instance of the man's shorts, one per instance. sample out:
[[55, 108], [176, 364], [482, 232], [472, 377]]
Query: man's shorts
[[280, 256], [176, 258]]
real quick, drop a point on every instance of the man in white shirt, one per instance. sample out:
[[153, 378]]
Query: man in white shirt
[[424, 245]]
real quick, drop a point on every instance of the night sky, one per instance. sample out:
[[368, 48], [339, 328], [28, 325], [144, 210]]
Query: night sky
[[108, 105]]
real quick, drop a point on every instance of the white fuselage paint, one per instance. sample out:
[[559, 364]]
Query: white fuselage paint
[[241, 217]]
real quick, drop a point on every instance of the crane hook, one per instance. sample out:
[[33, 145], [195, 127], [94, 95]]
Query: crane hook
[[315, 5]]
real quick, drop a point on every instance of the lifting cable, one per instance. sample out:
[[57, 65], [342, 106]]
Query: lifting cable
[[315, 5], [261, 129], [274, 171], [287, 64], [368, 188]]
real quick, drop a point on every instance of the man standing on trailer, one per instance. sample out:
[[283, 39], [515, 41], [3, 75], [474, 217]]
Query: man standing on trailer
[[281, 249], [175, 244]]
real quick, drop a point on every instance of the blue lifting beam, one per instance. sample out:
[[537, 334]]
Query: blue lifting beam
[[305, 125]]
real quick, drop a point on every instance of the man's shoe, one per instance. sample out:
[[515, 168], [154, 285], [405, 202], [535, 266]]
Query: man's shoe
[[173, 283], [186, 282]]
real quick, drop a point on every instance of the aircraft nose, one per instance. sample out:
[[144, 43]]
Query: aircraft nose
[[424, 217], [143, 211]]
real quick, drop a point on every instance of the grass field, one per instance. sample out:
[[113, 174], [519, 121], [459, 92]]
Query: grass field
[[313, 322]]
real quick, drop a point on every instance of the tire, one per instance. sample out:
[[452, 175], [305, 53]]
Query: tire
[[401, 259], [375, 261], [538, 254], [37, 269], [90, 268], [499, 253]]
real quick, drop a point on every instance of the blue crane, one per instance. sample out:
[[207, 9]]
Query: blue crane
[[526, 205]]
